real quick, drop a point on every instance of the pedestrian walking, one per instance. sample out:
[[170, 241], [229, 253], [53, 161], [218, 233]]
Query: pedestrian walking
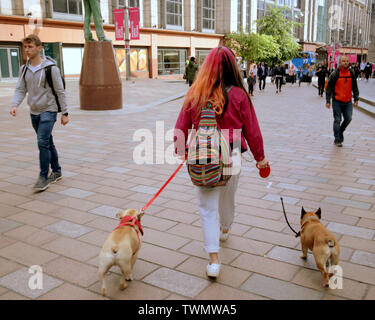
[[357, 70], [219, 82], [341, 83], [191, 70], [185, 74], [362, 69], [321, 73], [299, 76], [292, 74], [309, 74], [262, 75], [368, 70], [250, 83], [41, 79], [279, 75], [254, 68]]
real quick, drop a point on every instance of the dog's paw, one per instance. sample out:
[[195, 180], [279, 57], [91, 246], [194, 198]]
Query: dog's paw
[[304, 257], [129, 277], [104, 292], [123, 286]]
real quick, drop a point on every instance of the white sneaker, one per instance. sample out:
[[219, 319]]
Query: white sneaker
[[213, 270], [224, 236]]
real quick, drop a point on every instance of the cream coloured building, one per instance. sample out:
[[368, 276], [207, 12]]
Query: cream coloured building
[[173, 30]]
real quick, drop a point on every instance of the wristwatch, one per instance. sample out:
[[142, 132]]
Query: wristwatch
[[65, 114]]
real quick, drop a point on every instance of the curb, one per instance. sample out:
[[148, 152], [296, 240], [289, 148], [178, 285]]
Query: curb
[[370, 111]]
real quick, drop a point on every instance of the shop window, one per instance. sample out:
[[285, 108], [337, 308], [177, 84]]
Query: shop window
[[138, 59], [201, 55], [171, 61]]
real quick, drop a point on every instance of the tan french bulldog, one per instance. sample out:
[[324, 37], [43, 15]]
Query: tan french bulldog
[[320, 241], [121, 247]]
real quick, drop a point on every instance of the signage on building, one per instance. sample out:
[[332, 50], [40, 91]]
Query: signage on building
[[134, 23], [119, 23]]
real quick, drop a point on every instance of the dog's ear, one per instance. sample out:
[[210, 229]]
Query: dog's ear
[[120, 215], [303, 212], [319, 213], [140, 215]]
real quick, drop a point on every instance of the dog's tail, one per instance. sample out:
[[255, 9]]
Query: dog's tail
[[331, 243], [115, 248]]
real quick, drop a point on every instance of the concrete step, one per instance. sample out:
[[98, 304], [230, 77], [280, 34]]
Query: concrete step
[[365, 104], [368, 108]]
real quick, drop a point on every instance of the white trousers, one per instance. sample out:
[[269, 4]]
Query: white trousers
[[216, 207]]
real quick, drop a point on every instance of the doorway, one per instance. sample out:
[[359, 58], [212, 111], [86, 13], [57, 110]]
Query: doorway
[[9, 63]]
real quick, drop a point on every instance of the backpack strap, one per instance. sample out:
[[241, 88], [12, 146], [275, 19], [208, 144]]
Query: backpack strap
[[50, 83], [24, 70]]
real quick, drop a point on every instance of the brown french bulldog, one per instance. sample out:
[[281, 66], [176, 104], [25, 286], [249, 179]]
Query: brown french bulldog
[[121, 247], [320, 241]]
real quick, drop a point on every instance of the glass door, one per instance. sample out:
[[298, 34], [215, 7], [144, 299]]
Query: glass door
[[4, 63], [9, 63]]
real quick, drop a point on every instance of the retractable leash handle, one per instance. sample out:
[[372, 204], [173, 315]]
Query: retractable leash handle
[[162, 188]]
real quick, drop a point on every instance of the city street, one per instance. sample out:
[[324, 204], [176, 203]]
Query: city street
[[63, 228]]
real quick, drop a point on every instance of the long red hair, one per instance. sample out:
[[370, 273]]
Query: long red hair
[[218, 71]]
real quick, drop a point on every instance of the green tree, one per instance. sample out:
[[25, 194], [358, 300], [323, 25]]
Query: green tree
[[253, 46], [276, 25]]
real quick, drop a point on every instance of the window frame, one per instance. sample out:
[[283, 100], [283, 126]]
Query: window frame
[[181, 61], [211, 20], [67, 15], [181, 15]]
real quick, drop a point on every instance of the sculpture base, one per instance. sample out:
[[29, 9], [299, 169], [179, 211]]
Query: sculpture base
[[100, 86]]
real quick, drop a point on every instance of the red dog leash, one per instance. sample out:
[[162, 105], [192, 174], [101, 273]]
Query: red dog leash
[[162, 188]]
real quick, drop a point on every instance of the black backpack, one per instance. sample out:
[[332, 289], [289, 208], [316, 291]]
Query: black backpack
[[48, 70]]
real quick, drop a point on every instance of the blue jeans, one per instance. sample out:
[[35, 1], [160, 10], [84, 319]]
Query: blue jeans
[[346, 109], [43, 124]]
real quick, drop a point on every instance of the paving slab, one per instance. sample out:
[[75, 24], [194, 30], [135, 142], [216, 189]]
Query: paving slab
[[65, 227], [21, 282]]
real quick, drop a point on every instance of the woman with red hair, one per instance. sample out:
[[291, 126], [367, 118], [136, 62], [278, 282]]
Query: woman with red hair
[[219, 82]]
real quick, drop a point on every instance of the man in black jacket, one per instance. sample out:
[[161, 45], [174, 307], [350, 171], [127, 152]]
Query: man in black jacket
[[262, 75], [341, 83], [321, 73]]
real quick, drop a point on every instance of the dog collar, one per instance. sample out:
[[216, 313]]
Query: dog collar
[[308, 219]]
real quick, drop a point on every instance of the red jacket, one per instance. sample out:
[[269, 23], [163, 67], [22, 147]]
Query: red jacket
[[239, 114], [343, 87]]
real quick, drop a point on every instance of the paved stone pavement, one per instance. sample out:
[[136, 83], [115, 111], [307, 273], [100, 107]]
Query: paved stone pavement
[[62, 229]]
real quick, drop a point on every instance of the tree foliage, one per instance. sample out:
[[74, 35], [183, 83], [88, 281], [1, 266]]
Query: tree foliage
[[253, 46], [276, 25], [273, 43]]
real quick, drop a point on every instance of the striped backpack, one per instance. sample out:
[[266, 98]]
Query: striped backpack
[[209, 154]]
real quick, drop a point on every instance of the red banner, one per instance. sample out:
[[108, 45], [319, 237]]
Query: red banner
[[119, 23], [134, 23]]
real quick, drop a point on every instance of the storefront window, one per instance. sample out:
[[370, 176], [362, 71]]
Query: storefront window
[[138, 59], [201, 55], [171, 61]]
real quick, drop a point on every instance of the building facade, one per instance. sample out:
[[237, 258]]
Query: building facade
[[371, 49], [173, 30]]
